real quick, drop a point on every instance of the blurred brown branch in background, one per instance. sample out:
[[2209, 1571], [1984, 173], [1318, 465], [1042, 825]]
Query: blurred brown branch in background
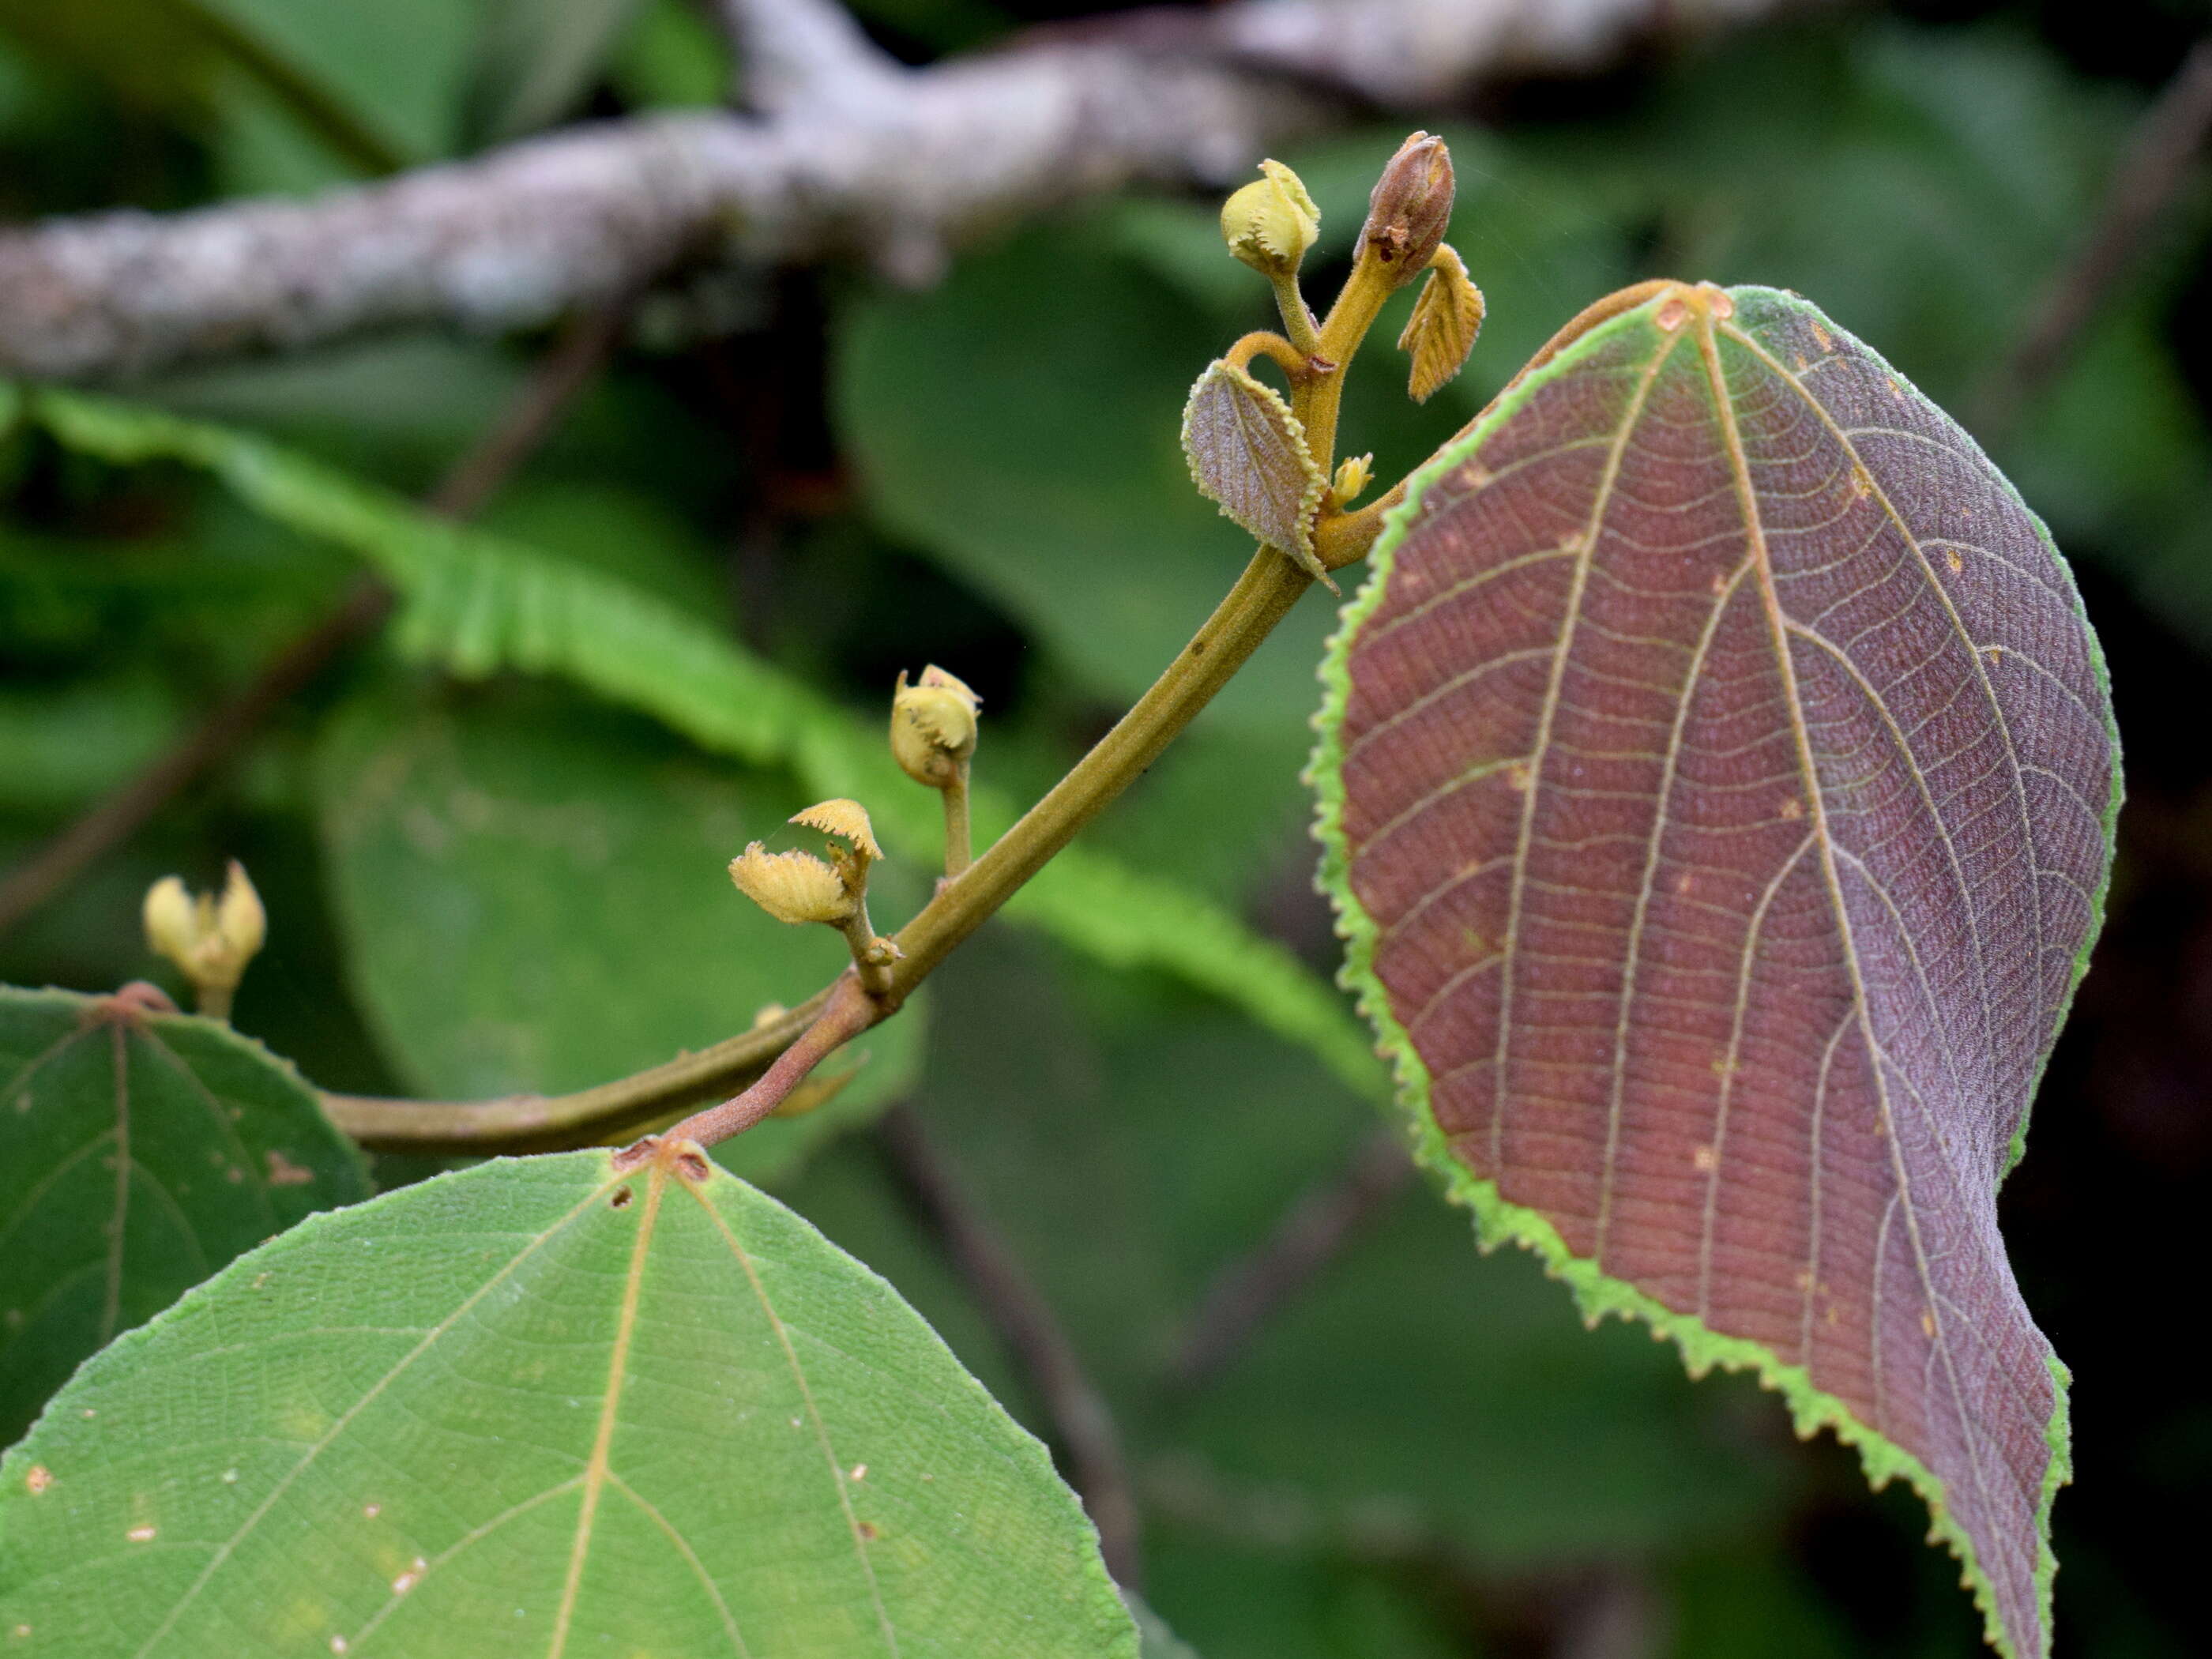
[[2157, 163], [1081, 1422], [843, 153]]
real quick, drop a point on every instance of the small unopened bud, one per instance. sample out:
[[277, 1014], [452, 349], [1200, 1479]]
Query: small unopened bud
[[1411, 208], [211, 940], [172, 920], [1271, 222], [794, 887], [239, 919], [1353, 474], [933, 726]]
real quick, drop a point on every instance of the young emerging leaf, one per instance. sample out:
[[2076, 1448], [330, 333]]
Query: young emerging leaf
[[139, 1152], [1446, 317], [1248, 454], [544, 1406], [1718, 779]]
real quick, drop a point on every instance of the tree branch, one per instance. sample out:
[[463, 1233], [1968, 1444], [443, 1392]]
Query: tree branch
[[1246, 1293], [1025, 1323], [927, 157], [2166, 141]]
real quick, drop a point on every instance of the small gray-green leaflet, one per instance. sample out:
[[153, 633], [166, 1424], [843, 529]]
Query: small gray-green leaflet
[[532, 895], [478, 603], [1248, 454], [594, 1412], [138, 1153]]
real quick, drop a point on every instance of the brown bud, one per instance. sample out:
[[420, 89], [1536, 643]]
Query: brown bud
[[1411, 208]]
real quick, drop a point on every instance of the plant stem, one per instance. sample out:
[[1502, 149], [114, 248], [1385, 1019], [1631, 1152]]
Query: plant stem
[[540, 1122], [1298, 316], [849, 1010], [1354, 312], [1263, 595], [958, 839], [860, 937]]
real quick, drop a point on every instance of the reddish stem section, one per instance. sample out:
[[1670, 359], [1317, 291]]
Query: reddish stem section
[[850, 1011]]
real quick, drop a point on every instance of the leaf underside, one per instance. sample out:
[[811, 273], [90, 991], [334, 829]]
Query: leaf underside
[[138, 1153], [597, 1412], [1247, 455], [1718, 779]]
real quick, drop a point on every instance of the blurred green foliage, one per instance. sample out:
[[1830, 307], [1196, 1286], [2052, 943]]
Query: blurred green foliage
[[513, 880]]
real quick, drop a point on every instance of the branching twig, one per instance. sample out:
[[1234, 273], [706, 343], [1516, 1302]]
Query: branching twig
[[2166, 141], [925, 158], [1323, 1220], [471, 482], [1025, 1323]]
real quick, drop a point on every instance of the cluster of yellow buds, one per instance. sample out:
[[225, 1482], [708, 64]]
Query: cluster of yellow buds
[[211, 939], [932, 736]]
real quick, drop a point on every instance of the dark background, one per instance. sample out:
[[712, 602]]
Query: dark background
[[1423, 1455]]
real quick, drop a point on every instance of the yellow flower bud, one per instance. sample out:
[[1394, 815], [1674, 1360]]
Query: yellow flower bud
[[1353, 474], [172, 923], [1271, 222], [241, 922], [848, 820], [933, 726], [210, 939], [793, 887]]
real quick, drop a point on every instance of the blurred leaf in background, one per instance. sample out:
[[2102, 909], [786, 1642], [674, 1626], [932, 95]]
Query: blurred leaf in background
[[508, 882]]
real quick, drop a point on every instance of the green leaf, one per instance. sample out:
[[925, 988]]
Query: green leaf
[[542, 1406], [536, 60], [1718, 779], [138, 1153], [393, 71], [533, 896], [1247, 453], [477, 604]]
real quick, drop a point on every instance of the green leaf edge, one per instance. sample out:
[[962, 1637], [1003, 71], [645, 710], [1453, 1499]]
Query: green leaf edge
[[1124, 917], [1498, 1220], [350, 1162], [118, 1353]]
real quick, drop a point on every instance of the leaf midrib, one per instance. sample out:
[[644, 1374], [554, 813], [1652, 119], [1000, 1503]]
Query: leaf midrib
[[1755, 527]]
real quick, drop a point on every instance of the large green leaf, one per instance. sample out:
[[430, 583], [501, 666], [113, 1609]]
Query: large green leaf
[[477, 603], [139, 1152], [1718, 779], [1457, 1400], [543, 1405], [534, 897], [536, 61], [396, 70]]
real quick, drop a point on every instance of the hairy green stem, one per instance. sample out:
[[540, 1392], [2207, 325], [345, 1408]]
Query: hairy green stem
[[959, 847]]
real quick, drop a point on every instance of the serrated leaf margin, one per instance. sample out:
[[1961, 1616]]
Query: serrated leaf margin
[[1497, 1220], [1288, 428]]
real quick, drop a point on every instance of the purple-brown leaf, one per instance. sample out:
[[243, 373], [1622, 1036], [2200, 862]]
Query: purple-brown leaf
[[1718, 775]]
